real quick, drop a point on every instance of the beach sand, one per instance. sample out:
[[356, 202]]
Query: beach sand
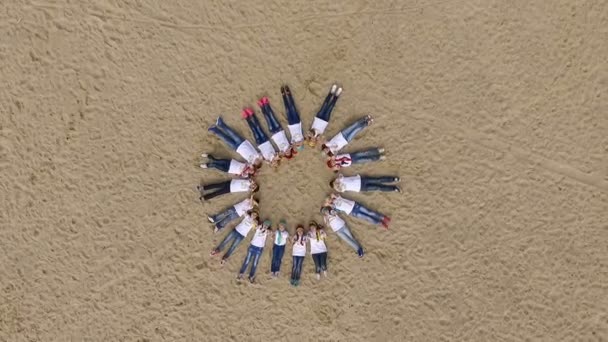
[[494, 114]]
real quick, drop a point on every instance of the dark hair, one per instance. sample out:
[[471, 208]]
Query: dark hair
[[313, 223], [331, 183], [256, 189]]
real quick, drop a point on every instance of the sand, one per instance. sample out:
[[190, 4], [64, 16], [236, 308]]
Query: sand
[[494, 113]]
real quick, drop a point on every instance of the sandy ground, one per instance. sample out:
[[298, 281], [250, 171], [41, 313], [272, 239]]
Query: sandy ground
[[495, 114]]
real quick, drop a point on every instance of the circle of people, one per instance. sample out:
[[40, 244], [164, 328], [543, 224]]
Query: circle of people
[[265, 152]]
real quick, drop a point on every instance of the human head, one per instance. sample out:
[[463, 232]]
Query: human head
[[282, 225], [254, 187], [299, 146], [274, 163], [332, 184], [327, 151], [266, 224], [326, 210], [313, 226], [299, 229], [254, 214], [257, 163]]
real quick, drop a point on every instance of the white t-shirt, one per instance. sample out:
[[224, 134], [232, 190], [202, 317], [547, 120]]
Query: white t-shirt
[[243, 206], [280, 139], [284, 237], [337, 143], [299, 249], [319, 125], [236, 167], [343, 160], [248, 152], [245, 226], [317, 246], [259, 238], [344, 205], [295, 131], [336, 222], [268, 151], [350, 183], [240, 185]]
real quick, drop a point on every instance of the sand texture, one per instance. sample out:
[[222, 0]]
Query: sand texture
[[494, 113]]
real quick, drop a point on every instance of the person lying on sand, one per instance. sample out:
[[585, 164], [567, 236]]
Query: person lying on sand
[[318, 249], [298, 242], [278, 133], [221, 219], [321, 120], [293, 120], [346, 135], [264, 145], [338, 225], [280, 237], [237, 143], [210, 191], [256, 247], [237, 235], [360, 157], [358, 210], [359, 183], [231, 166]]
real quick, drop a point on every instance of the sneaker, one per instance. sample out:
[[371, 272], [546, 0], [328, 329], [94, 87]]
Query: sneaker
[[318, 276], [338, 92], [264, 100], [360, 253], [204, 155], [224, 261], [396, 179], [203, 166], [210, 219], [260, 103], [282, 90], [219, 121], [214, 252], [249, 111], [251, 279], [216, 230], [244, 113], [239, 277], [397, 189], [381, 150], [385, 221], [382, 157], [370, 120], [325, 274], [334, 87]]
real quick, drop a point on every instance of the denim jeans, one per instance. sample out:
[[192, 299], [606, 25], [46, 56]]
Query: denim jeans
[[296, 269], [351, 131], [236, 239], [224, 217], [259, 135], [219, 164], [320, 260], [369, 183], [360, 157], [218, 190], [253, 257], [328, 105], [293, 117], [273, 124], [345, 234], [226, 134], [277, 257], [366, 214]]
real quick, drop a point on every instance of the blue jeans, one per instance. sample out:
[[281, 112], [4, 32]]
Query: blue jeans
[[320, 260], [351, 131], [293, 117], [369, 183], [236, 239], [218, 190], [253, 257], [219, 164], [361, 157], [328, 105], [259, 135], [277, 257], [228, 135], [296, 269], [345, 234], [224, 217], [273, 125], [366, 214]]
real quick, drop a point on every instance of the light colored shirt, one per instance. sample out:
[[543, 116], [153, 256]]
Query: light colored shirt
[[319, 125], [317, 245], [280, 237], [337, 143], [248, 152], [336, 222], [240, 185], [344, 205], [267, 150], [295, 131], [245, 226], [236, 167], [352, 183], [259, 238], [299, 247], [243, 206], [280, 139]]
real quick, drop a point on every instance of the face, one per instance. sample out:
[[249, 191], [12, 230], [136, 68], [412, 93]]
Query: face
[[300, 231], [312, 228], [281, 227], [265, 226], [254, 215]]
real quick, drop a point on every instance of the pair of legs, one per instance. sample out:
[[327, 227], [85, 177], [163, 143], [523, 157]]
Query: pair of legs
[[293, 117], [345, 234], [228, 135], [369, 183], [218, 164], [273, 124], [296, 270], [253, 258], [351, 131], [224, 217], [235, 237], [329, 103], [213, 190], [364, 213], [277, 257], [254, 124], [366, 156], [320, 260]]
